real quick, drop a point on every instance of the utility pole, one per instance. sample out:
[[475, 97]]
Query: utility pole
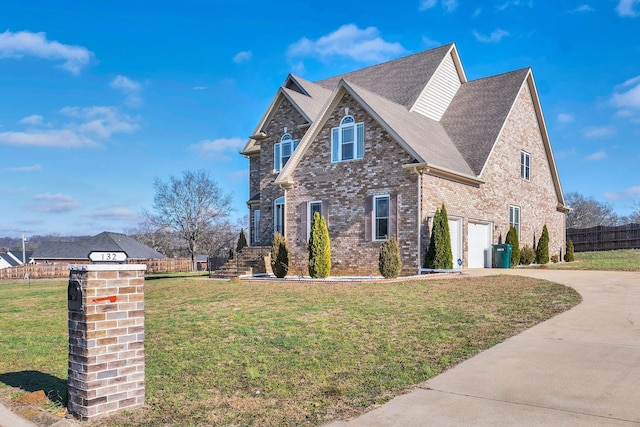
[[24, 241]]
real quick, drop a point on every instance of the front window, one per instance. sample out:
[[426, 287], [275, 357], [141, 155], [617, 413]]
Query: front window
[[256, 225], [282, 151], [347, 140], [514, 218], [525, 165], [278, 216], [313, 208], [381, 217]]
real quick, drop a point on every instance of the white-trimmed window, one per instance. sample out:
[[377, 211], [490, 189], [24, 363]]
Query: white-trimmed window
[[381, 217], [282, 151], [347, 140], [256, 225], [514, 218], [313, 208], [525, 165], [278, 216]]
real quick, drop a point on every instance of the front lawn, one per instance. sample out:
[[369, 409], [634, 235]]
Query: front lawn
[[280, 353], [620, 260]]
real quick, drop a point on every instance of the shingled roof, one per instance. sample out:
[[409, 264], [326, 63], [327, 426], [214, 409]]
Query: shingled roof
[[103, 242]]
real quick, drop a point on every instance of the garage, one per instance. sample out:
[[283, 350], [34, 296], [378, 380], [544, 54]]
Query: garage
[[455, 230], [479, 238]]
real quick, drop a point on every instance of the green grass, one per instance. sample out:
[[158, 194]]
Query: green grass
[[620, 260], [282, 353]]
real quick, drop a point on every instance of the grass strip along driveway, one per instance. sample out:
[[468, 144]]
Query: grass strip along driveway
[[282, 353]]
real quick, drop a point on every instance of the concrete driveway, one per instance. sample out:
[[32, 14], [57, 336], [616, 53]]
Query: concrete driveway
[[580, 368]]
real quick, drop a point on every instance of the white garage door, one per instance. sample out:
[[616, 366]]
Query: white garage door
[[455, 230], [479, 244]]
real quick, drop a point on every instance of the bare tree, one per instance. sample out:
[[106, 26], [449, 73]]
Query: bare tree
[[634, 216], [190, 206], [587, 212]]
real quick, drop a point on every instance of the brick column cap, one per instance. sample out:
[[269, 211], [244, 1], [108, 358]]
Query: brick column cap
[[107, 267]]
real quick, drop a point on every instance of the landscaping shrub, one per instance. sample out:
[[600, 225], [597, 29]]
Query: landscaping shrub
[[242, 241], [439, 254], [279, 256], [568, 256], [542, 251], [389, 261], [555, 258], [527, 255], [319, 248], [513, 240]]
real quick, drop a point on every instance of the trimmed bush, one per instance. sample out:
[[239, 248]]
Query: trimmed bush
[[319, 248], [555, 259], [527, 255], [542, 251], [389, 261], [439, 255], [242, 241], [279, 256], [514, 241], [568, 256]]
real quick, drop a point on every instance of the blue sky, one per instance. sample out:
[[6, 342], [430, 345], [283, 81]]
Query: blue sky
[[99, 98]]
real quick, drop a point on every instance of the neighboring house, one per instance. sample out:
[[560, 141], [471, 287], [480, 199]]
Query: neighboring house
[[78, 251], [17, 255], [7, 261], [378, 150]]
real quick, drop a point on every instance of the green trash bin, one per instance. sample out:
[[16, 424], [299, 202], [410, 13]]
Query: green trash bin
[[502, 256]]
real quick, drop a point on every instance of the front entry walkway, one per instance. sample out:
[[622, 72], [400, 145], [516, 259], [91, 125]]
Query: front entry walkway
[[581, 367]]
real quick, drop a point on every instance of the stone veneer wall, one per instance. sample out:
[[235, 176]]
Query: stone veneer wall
[[106, 341]]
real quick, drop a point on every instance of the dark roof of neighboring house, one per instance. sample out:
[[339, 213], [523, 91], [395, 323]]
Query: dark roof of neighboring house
[[18, 254], [9, 259], [103, 242]]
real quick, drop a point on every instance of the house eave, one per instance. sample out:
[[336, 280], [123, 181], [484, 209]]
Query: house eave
[[444, 173]]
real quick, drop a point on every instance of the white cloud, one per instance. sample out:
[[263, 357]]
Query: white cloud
[[516, 3], [33, 120], [429, 42], [33, 168], [62, 138], [427, 4], [130, 88], [200, 87], [54, 203], [583, 8], [627, 8], [631, 193], [629, 98], [244, 56], [363, 45], [101, 121], [599, 132], [598, 155], [113, 213], [25, 43], [447, 5], [565, 118], [494, 37], [219, 147], [450, 5]]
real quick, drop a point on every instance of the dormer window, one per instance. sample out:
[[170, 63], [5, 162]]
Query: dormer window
[[347, 140], [282, 151]]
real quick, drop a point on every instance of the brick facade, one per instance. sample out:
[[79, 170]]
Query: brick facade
[[106, 340]]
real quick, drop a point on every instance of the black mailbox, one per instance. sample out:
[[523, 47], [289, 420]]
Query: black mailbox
[[74, 295]]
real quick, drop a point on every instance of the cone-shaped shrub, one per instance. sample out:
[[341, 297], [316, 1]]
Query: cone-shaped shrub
[[242, 241], [568, 256], [279, 256], [542, 250], [319, 248], [513, 240], [389, 261], [439, 255]]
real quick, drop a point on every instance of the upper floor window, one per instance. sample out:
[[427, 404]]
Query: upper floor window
[[282, 151], [525, 165], [347, 140], [514, 218]]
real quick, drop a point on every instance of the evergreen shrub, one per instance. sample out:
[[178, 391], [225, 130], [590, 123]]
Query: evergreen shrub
[[242, 241], [279, 256], [439, 255], [514, 241], [319, 248], [569, 256], [389, 261], [527, 255], [542, 251]]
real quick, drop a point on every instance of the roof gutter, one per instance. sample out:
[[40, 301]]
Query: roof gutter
[[444, 173]]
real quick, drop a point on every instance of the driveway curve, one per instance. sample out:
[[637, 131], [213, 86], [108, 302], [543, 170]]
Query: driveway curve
[[581, 367]]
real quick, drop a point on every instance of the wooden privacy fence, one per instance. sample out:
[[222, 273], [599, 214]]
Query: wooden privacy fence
[[61, 271], [604, 238]]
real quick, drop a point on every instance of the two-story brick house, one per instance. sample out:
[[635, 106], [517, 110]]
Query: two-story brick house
[[378, 150]]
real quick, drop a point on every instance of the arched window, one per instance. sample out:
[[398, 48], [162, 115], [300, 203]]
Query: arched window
[[347, 140], [282, 151]]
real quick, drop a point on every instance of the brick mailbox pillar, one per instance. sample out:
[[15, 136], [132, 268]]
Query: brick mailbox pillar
[[106, 339]]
